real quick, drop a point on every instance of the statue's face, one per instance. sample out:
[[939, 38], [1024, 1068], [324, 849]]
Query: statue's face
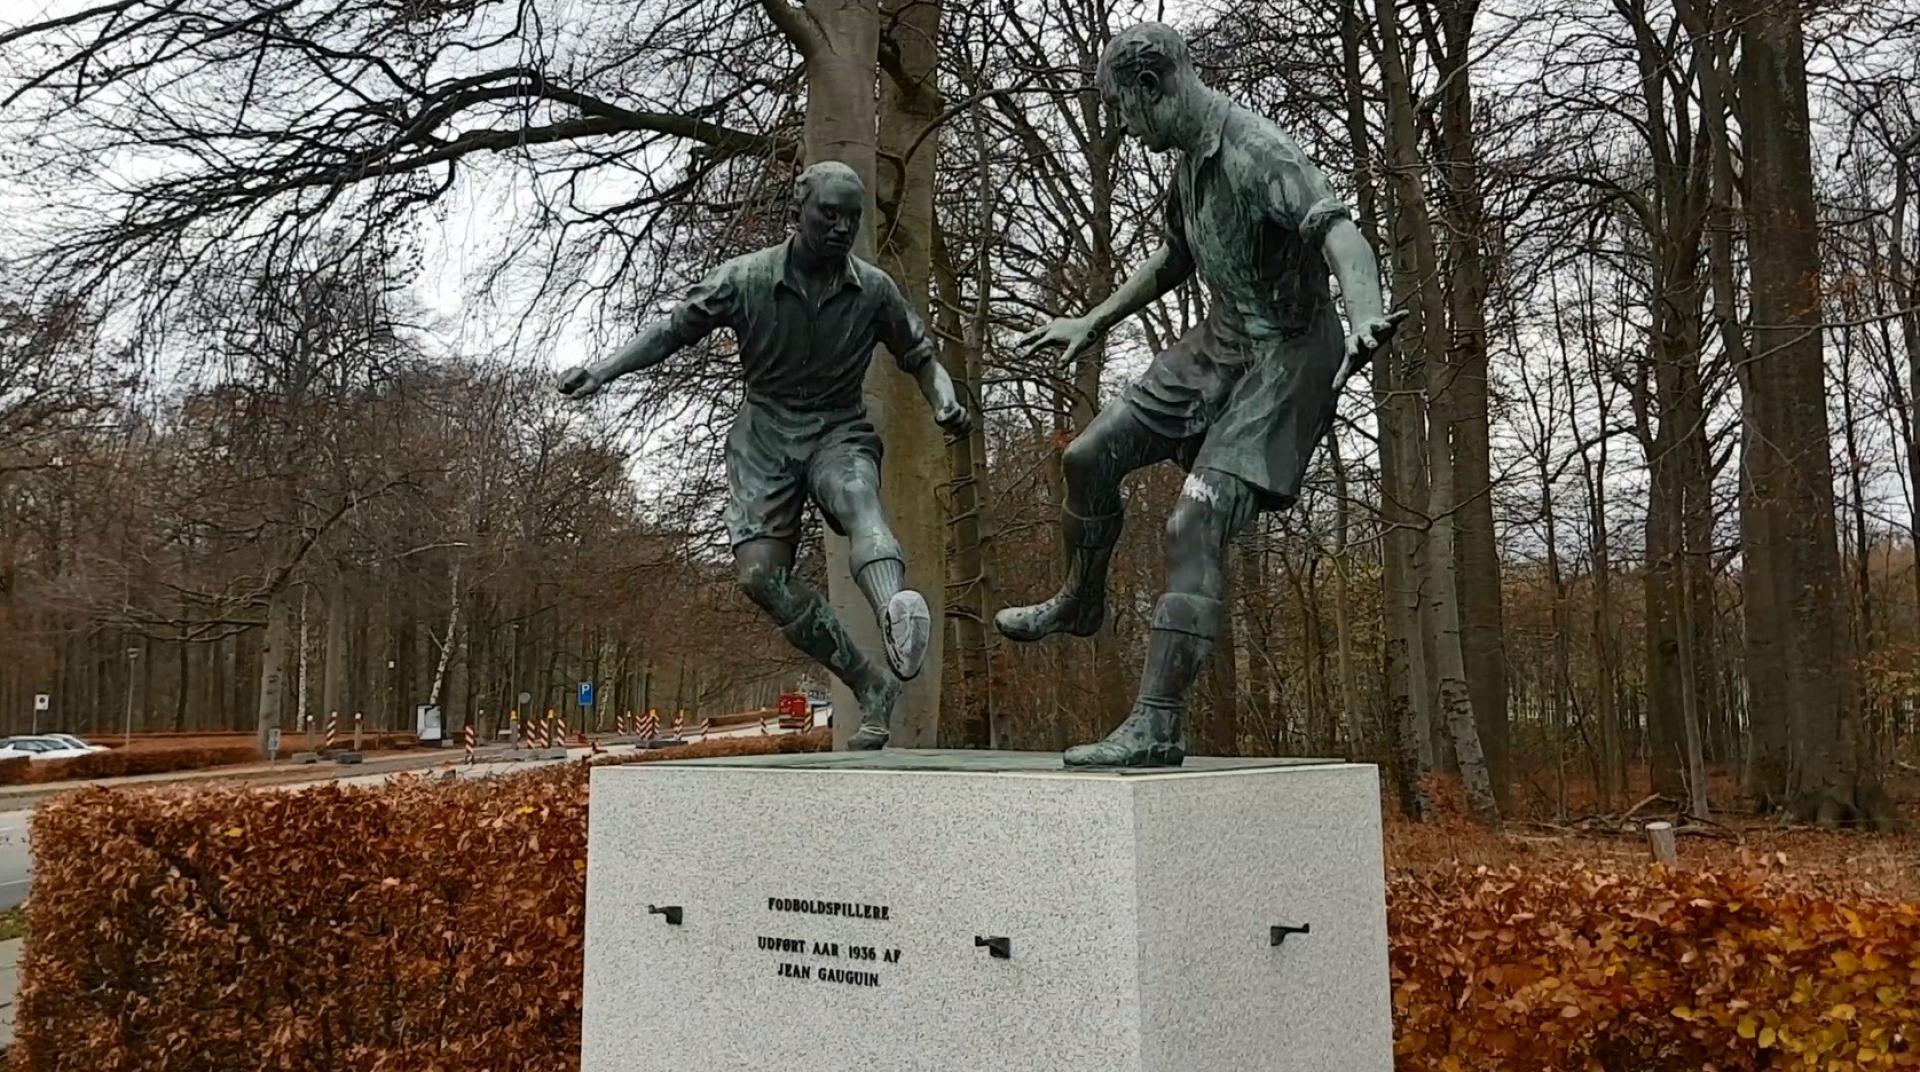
[[1145, 113], [830, 216]]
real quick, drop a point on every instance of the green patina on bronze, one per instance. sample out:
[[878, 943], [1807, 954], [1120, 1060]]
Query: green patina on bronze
[[1241, 400], [806, 315]]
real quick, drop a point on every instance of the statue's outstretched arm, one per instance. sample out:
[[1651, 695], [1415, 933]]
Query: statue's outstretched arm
[[708, 305]]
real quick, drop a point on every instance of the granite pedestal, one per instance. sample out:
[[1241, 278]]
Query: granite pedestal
[[960, 911]]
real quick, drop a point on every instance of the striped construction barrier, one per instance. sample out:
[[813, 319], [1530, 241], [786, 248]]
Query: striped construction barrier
[[333, 728], [469, 739]]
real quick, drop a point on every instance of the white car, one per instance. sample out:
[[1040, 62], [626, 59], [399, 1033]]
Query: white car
[[76, 742], [39, 748]]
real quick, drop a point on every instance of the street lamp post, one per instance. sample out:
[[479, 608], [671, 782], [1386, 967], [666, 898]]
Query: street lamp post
[[132, 654]]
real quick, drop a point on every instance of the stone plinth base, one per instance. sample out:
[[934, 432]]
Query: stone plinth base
[[954, 911]]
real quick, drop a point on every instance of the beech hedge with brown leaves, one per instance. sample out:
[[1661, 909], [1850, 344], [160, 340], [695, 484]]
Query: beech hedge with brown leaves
[[424, 926], [1577, 969], [435, 926]]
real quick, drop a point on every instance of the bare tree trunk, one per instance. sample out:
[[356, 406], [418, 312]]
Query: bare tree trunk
[[840, 41], [275, 650], [1784, 391], [146, 683], [333, 675], [1766, 694], [1907, 295], [1417, 283], [302, 679], [1477, 558], [1320, 719], [1562, 649], [459, 701], [183, 668], [970, 724], [1342, 599], [446, 646], [1403, 662], [915, 469], [1259, 647], [1217, 731]]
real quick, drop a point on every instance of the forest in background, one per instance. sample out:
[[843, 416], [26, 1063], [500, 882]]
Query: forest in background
[[1632, 503]]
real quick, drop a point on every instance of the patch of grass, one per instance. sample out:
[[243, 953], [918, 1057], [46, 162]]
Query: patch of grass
[[13, 924]]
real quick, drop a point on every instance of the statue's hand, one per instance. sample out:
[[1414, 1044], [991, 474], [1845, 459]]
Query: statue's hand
[[1369, 334], [1076, 333], [953, 418], [579, 383]]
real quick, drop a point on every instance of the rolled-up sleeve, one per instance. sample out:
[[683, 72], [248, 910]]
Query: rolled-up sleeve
[[711, 303], [1299, 196], [902, 330]]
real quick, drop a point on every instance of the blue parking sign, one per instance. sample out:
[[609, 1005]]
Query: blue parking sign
[[586, 694]]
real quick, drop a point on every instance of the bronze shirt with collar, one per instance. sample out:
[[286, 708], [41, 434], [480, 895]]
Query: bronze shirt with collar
[[1248, 392], [804, 423], [798, 355], [1250, 209]]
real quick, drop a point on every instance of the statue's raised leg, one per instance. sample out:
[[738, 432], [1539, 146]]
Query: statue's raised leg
[[1114, 445], [847, 486], [809, 624]]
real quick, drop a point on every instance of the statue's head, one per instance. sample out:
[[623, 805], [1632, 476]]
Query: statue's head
[[1147, 78], [828, 200]]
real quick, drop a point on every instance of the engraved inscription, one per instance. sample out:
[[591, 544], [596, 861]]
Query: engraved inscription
[[847, 909], [821, 949]]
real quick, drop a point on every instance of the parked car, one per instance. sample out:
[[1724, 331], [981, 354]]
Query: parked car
[[76, 742], [39, 748]]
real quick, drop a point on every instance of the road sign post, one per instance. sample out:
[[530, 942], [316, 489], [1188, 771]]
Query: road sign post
[[42, 703], [132, 654]]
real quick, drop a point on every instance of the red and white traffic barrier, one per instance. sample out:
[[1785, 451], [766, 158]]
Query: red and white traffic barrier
[[333, 728], [469, 738]]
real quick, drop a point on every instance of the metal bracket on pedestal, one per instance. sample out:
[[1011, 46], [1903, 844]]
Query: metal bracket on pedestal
[[998, 948], [1277, 935], [674, 913]]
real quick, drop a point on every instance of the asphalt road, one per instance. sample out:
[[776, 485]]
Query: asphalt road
[[16, 866]]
